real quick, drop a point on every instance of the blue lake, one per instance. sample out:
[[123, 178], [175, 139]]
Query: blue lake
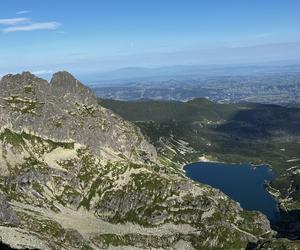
[[242, 182]]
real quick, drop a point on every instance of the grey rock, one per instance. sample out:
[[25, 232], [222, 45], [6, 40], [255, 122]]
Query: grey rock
[[66, 110], [7, 214]]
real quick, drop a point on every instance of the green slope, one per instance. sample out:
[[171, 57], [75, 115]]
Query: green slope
[[255, 133]]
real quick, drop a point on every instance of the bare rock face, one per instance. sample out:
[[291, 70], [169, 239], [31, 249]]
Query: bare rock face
[[64, 85], [66, 110], [7, 214]]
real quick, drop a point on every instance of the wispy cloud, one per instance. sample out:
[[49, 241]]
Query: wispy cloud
[[25, 24], [33, 26], [22, 12], [14, 21]]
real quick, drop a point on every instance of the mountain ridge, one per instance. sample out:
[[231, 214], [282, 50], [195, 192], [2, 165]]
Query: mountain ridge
[[52, 99]]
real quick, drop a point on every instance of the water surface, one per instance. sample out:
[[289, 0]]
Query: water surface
[[242, 182]]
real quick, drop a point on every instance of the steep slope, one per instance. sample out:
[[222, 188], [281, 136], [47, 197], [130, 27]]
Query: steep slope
[[66, 110], [183, 132], [77, 176]]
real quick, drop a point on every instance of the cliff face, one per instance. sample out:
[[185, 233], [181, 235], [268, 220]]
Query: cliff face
[[7, 214], [77, 176], [66, 110]]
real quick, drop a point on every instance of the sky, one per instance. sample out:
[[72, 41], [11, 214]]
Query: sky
[[101, 35]]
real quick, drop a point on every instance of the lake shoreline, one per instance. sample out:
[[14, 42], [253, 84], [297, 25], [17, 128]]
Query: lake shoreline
[[216, 174], [206, 158]]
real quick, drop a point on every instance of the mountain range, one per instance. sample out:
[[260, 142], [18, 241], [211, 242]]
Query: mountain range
[[76, 175]]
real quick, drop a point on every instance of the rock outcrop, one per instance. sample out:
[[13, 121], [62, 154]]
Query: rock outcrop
[[66, 110], [7, 215]]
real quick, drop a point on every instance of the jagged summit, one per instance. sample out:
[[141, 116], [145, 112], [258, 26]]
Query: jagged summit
[[59, 75], [23, 75], [65, 109], [64, 83], [64, 79], [60, 78], [27, 75], [63, 76], [14, 81]]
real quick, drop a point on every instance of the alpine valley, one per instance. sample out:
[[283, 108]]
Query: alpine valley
[[75, 175], [201, 130]]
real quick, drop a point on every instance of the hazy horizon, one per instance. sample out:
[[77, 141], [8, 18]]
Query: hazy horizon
[[104, 36]]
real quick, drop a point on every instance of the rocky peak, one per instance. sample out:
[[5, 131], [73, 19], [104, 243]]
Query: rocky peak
[[17, 81], [65, 84], [64, 79], [23, 76], [67, 110]]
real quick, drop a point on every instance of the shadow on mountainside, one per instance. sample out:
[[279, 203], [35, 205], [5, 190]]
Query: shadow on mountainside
[[257, 134], [288, 233], [7, 247], [258, 121], [266, 134], [233, 133], [288, 226]]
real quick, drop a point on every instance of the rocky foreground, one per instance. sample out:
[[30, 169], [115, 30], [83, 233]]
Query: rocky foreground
[[74, 175]]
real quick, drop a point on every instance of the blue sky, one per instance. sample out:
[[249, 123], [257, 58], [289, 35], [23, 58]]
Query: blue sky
[[100, 35]]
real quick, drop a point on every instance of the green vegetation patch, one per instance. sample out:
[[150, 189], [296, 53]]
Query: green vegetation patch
[[23, 105], [135, 240]]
